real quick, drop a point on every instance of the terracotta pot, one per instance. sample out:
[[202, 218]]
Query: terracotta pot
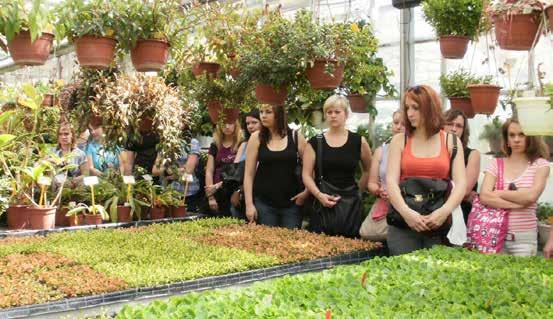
[[18, 217], [210, 68], [42, 218], [95, 52], [358, 103], [214, 109], [93, 219], [402, 4], [25, 52], [454, 47], [157, 212], [61, 219], [464, 104], [124, 214], [149, 55], [76, 220], [549, 13], [266, 94], [517, 31], [178, 211], [320, 79], [484, 97]]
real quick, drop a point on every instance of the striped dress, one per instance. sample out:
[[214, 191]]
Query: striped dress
[[522, 220]]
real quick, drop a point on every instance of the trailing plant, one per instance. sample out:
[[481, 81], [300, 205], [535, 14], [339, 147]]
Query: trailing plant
[[459, 17], [454, 84], [17, 16]]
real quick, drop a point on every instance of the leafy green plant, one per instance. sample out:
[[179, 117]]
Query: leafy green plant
[[459, 17], [116, 193], [492, 129], [16, 16], [454, 84], [545, 211], [506, 7], [92, 210]]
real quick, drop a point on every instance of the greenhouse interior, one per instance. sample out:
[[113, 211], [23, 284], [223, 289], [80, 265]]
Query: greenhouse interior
[[276, 159]]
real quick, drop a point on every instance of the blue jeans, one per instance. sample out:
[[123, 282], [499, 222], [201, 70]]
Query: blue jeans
[[281, 217]]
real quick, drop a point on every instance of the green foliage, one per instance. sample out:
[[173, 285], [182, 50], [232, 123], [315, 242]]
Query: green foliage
[[492, 130], [506, 7], [454, 17], [77, 18], [454, 84], [438, 283], [545, 211], [16, 16]]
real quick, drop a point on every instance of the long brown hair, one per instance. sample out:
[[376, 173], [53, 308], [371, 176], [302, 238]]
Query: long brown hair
[[535, 146], [451, 115], [218, 136], [430, 109], [281, 124]]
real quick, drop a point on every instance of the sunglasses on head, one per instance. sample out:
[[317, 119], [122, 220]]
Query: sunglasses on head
[[415, 88]]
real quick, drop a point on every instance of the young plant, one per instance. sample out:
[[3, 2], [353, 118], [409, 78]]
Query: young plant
[[454, 84], [459, 18], [16, 16], [77, 18], [92, 210]]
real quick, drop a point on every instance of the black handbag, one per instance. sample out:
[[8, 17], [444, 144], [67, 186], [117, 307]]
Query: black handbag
[[345, 217], [424, 195]]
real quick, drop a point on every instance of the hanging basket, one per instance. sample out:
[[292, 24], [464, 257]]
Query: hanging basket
[[484, 97], [404, 4], [358, 103], [150, 55], [214, 109], [517, 31], [210, 68], [42, 218], [95, 52], [535, 115], [267, 94], [319, 78], [464, 104], [25, 52], [454, 47]]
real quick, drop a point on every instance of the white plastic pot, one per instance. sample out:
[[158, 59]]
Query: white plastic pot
[[535, 115]]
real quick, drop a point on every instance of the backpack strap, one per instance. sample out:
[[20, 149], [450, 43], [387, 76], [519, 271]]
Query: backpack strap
[[453, 152]]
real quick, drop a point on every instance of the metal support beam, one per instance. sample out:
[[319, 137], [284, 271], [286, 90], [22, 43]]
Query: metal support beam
[[407, 49]]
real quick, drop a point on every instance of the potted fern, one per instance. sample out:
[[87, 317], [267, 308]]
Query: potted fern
[[456, 23]]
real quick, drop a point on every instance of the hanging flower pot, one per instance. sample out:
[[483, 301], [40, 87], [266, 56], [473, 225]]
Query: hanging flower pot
[[214, 109], [484, 97], [25, 52], [266, 94], [453, 47], [42, 218], [124, 214], [358, 103], [157, 212], [210, 68], [178, 211], [319, 78], [534, 115], [95, 52], [517, 31], [93, 219], [18, 217], [150, 55], [549, 13], [403, 4], [464, 104]]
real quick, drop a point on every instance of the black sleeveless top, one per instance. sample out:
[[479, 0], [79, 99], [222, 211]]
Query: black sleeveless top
[[339, 163], [466, 152], [275, 180]]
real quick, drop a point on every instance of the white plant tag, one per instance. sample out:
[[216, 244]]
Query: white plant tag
[[188, 178], [72, 204], [91, 180], [60, 179], [45, 181], [129, 180], [127, 204], [147, 177]]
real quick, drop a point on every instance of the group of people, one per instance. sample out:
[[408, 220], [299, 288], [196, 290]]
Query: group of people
[[280, 172]]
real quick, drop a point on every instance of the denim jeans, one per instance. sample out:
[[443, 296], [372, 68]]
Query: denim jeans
[[273, 216]]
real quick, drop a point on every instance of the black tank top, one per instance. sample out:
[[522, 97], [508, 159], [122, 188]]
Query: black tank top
[[275, 180], [339, 163]]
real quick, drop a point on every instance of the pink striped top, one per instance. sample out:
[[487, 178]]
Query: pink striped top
[[522, 220]]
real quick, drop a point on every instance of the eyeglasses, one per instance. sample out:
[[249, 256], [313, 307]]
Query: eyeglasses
[[456, 125], [415, 88]]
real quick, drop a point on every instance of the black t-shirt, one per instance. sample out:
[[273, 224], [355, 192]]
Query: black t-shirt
[[339, 163], [145, 151]]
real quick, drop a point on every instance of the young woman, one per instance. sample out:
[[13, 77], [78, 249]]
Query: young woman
[[222, 151], [272, 190], [375, 227], [342, 151], [525, 173], [456, 122], [424, 152], [251, 124], [100, 159], [187, 163], [66, 147]]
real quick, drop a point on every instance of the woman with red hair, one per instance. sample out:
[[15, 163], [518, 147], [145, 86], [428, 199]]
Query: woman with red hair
[[424, 152]]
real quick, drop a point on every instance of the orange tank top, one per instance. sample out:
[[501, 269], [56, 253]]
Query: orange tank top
[[426, 167]]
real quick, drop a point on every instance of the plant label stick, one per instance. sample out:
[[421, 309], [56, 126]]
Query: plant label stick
[[91, 180], [44, 182], [187, 179], [147, 177], [129, 180]]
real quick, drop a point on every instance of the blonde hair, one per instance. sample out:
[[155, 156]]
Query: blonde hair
[[236, 136], [337, 101]]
